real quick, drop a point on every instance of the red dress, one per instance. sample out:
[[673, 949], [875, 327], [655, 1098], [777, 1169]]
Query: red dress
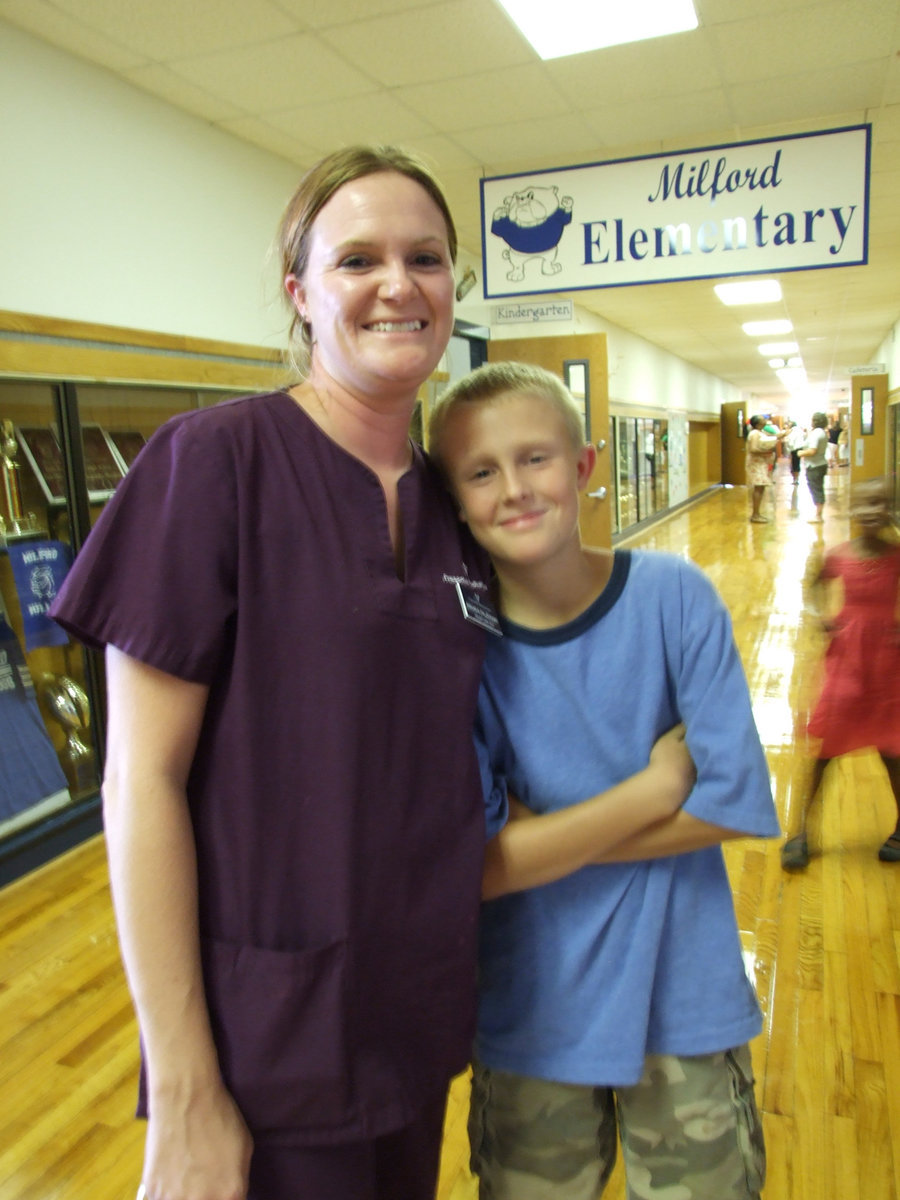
[[860, 702]]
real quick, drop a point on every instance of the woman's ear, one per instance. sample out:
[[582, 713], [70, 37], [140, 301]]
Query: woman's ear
[[295, 290]]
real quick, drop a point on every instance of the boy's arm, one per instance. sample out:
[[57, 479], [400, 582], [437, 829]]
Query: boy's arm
[[679, 834], [531, 849]]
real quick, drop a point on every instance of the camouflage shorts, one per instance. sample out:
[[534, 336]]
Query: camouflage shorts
[[689, 1131]]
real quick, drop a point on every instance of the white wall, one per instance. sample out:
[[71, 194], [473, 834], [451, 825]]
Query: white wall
[[889, 354], [116, 208]]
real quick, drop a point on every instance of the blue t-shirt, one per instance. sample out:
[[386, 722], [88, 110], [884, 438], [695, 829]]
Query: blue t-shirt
[[581, 978]]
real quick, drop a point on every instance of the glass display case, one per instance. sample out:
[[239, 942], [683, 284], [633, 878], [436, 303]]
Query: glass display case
[[64, 448]]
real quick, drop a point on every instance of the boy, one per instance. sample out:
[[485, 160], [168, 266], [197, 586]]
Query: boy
[[616, 994]]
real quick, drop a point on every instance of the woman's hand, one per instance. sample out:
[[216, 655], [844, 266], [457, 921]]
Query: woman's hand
[[198, 1148]]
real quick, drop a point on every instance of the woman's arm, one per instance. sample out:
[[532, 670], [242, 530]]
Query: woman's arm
[[531, 850], [197, 1142]]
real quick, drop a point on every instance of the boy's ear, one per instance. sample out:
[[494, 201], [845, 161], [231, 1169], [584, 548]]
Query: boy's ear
[[587, 460]]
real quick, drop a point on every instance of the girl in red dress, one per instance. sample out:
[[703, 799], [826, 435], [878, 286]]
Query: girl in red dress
[[859, 705]]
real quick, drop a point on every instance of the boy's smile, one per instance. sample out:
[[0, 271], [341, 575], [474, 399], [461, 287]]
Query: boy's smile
[[517, 476]]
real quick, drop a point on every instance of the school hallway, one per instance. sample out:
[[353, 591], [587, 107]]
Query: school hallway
[[822, 946]]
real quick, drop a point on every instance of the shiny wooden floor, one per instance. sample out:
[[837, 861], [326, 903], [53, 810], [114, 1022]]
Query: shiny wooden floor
[[823, 947]]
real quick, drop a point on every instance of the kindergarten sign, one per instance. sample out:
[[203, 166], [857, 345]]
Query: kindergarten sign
[[796, 203]]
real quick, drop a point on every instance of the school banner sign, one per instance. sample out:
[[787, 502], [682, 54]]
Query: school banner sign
[[795, 203]]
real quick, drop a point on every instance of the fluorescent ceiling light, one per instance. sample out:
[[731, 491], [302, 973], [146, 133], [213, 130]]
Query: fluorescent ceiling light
[[573, 27], [755, 291], [775, 363], [767, 328], [797, 361], [777, 349], [794, 380]]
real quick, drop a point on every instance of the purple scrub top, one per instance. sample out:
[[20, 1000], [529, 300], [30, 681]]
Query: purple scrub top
[[334, 794]]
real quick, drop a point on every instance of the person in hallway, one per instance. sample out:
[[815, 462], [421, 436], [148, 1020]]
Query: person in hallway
[[619, 988], [843, 443], [760, 446], [793, 443], [292, 800], [833, 429], [815, 452], [859, 705]]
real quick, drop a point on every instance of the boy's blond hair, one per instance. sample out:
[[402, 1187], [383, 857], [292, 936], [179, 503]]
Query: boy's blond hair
[[495, 380]]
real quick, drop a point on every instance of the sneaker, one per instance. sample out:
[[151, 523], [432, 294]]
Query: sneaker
[[795, 853]]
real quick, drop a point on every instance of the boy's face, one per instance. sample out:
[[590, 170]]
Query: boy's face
[[516, 476]]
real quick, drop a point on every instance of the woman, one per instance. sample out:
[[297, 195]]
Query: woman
[[815, 453], [758, 462], [292, 805]]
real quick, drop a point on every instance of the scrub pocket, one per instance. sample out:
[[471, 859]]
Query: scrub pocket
[[278, 1023]]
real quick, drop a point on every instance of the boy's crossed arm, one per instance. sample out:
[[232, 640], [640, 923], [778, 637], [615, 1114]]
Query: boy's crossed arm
[[532, 849]]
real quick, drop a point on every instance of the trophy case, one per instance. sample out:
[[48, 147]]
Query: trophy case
[[64, 448]]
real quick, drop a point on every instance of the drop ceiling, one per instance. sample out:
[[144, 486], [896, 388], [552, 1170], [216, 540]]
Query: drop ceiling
[[455, 80]]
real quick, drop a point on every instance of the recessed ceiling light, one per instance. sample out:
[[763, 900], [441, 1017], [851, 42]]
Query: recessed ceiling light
[[573, 27], [767, 328], [793, 380], [751, 291], [779, 349]]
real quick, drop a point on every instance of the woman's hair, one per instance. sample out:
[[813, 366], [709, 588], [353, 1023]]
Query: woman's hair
[[314, 191], [820, 420], [495, 380]]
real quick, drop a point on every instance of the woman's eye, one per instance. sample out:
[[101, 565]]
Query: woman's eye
[[355, 262], [428, 260]]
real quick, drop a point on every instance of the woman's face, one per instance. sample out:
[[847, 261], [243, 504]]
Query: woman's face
[[378, 285]]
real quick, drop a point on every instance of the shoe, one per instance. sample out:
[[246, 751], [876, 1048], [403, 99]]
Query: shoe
[[795, 853], [890, 851], [760, 520]]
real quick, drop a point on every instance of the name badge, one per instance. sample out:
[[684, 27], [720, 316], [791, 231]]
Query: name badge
[[478, 611]]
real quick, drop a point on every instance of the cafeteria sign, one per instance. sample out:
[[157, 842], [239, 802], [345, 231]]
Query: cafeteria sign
[[795, 203]]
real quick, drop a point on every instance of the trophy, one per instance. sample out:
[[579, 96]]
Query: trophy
[[69, 705], [15, 522]]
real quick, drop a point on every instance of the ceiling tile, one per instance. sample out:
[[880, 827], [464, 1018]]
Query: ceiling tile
[[818, 38], [165, 84], [442, 41], [46, 22], [679, 119], [802, 96], [322, 14], [523, 145], [375, 117], [517, 93], [277, 75], [260, 133], [166, 29], [642, 71]]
